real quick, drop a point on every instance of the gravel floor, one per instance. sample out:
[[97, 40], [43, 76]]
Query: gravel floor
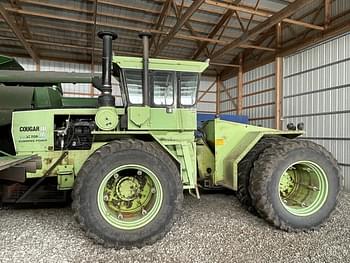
[[214, 229]]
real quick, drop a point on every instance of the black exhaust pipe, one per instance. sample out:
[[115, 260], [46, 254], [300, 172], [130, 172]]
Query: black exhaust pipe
[[106, 98], [145, 36]]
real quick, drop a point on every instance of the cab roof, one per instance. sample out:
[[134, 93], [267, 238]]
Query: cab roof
[[161, 64]]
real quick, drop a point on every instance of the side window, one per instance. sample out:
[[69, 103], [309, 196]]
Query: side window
[[163, 88], [134, 84], [188, 84]]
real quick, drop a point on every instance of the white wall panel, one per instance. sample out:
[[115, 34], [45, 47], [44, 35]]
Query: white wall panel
[[317, 91]]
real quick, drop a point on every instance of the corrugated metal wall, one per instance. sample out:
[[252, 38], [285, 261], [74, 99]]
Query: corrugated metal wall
[[317, 92], [258, 95], [228, 96], [207, 95], [83, 90]]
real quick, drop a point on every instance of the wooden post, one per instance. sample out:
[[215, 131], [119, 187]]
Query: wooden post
[[218, 91], [240, 86], [278, 79], [37, 65], [327, 12]]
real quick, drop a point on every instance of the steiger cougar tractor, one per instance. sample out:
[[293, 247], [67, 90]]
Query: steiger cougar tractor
[[126, 167]]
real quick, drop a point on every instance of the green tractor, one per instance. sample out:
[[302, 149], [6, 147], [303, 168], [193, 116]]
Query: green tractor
[[126, 168]]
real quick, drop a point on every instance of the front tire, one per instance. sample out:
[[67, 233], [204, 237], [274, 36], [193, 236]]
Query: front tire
[[294, 185], [127, 194]]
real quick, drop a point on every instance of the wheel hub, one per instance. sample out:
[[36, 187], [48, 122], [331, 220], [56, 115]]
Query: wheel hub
[[130, 196], [303, 188], [287, 183], [128, 188]]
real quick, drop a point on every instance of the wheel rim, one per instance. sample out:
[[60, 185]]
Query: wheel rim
[[303, 188], [130, 197]]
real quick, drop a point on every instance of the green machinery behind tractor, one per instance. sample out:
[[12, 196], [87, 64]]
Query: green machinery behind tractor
[[126, 167]]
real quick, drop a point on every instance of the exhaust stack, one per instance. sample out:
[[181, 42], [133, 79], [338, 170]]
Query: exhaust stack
[[145, 36], [106, 98]]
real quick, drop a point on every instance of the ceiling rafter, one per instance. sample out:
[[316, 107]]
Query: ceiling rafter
[[19, 34], [161, 19], [178, 13], [93, 35], [220, 35], [271, 21], [263, 13], [184, 18], [225, 17]]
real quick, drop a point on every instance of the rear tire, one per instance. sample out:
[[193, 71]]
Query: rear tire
[[127, 194], [245, 166], [295, 184]]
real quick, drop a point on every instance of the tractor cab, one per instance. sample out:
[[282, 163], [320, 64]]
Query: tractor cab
[[172, 83]]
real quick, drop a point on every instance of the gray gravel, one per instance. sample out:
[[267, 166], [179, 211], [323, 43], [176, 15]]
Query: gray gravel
[[214, 229]]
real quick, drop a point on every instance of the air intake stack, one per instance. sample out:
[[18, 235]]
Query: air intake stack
[[145, 36], [106, 98], [106, 117]]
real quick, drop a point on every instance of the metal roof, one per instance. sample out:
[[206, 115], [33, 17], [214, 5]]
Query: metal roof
[[182, 29]]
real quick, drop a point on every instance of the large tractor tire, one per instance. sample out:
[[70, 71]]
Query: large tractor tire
[[245, 166], [127, 194], [295, 184]]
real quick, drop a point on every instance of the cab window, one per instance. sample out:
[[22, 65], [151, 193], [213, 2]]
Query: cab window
[[188, 86], [133, 79], [163, 88]]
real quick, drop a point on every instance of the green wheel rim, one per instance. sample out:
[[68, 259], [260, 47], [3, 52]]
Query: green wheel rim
[[303, 188], [130, 197]]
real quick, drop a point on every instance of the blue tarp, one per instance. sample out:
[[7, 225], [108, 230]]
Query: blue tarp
[[202, 117]]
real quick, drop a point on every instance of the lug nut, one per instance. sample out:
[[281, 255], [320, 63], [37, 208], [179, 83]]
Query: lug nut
[[139, 172]]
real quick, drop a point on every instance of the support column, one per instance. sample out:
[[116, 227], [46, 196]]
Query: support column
[[240, 86], [327, 13], [278, 79], [37, 65], [218, 91]]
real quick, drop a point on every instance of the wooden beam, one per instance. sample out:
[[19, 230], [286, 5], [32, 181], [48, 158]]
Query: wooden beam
[[257, 47], [93, 36], [161, 18], [116, 26], [213, 32], [205, 92], [189, 12], [224, 65], [263, 13], [327, 12], [240, 86], [278, 17], [93, 40], [178, 12], [19, 34], [227, 15], [278, 79], [218, 93]]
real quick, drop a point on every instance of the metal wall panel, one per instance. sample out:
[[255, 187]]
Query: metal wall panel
[[255, 81], [208, 101], [257, 104], [316, 89], [227, 106]]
